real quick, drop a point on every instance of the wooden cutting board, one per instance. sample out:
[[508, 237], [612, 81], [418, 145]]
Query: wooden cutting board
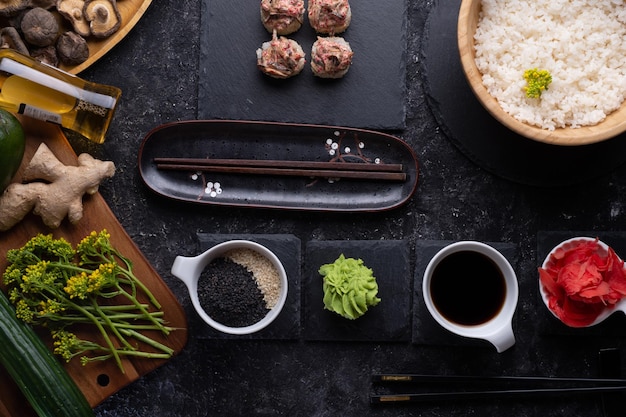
[[97, 380]]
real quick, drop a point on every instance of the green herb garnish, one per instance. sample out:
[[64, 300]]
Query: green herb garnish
[[537, 81]]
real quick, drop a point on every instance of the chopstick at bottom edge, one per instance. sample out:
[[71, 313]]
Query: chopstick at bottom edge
[[417, 378], [487, 394]]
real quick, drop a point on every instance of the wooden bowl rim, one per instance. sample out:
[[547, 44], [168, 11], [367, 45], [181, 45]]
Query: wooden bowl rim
[[613, 125]]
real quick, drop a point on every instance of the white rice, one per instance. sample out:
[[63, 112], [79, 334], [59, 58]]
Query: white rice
[[582, 43]]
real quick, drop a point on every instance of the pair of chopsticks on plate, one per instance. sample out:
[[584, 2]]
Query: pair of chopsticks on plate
[[315, 169], [532, 386]]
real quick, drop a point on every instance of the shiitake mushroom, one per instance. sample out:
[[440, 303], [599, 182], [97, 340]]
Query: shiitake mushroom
[[72, 10], [11, 7], [103, 16], [45, 4], [72, 48], [47, 55], [10, 38], [39, 27]]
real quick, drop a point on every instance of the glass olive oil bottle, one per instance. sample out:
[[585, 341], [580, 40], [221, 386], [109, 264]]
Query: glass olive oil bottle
[[46, 93]]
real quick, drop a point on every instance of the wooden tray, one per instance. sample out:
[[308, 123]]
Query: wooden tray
[[97, 380]]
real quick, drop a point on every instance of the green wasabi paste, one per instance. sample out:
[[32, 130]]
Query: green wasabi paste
[[349, 287]]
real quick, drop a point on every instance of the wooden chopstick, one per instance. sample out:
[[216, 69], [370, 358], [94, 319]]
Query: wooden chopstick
[[416, 378], [351, 166], [592, 385], [488, 394], [391, 172]]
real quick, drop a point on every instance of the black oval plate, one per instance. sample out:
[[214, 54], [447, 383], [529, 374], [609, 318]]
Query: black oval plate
[[227, 139]]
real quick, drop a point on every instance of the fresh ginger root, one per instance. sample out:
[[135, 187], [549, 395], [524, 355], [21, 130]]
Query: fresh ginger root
[[58, 194]]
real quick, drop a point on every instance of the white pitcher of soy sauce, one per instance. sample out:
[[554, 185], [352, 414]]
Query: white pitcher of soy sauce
[[471, 290]]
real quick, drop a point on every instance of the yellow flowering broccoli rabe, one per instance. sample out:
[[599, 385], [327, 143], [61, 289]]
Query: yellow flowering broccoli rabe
[[537, 81], [55, 286]]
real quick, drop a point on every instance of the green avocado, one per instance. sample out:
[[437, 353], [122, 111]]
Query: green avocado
[[12, 146]]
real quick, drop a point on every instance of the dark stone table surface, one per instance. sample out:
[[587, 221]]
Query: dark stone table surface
[[157, 67]]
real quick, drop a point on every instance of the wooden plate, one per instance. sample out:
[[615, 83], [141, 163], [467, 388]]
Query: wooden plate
[[130, 11], [97, 381]]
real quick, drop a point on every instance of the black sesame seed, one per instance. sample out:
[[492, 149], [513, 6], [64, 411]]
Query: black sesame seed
[[229, 294]]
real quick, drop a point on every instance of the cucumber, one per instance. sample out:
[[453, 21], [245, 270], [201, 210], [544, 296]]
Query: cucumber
[[39, 375]]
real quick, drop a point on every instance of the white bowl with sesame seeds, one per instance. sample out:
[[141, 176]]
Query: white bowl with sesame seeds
[[264, 268]]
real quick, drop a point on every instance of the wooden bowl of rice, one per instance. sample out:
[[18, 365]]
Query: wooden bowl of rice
[[495, 51]]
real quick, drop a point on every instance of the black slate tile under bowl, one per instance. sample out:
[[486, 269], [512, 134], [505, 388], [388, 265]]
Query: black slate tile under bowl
[[426, 331], [549, 325], [388, 321], [288, 249]]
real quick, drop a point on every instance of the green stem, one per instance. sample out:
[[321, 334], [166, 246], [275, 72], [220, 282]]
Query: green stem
[[118, 317], [148, 341], [133, 281], [144, 311], [110, 325], [136, 317], [70, 267], [149, 355], [143, 288], [104, 333], [134, 353], [123, 325], [120, 307]]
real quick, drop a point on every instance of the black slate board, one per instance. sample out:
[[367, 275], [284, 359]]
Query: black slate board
[[614, 325], [288, 249], [610, 366], [426, 331], [484, 140], [389, 321], [371, 95]]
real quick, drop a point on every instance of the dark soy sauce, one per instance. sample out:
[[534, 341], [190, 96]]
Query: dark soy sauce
[[467, 288]]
